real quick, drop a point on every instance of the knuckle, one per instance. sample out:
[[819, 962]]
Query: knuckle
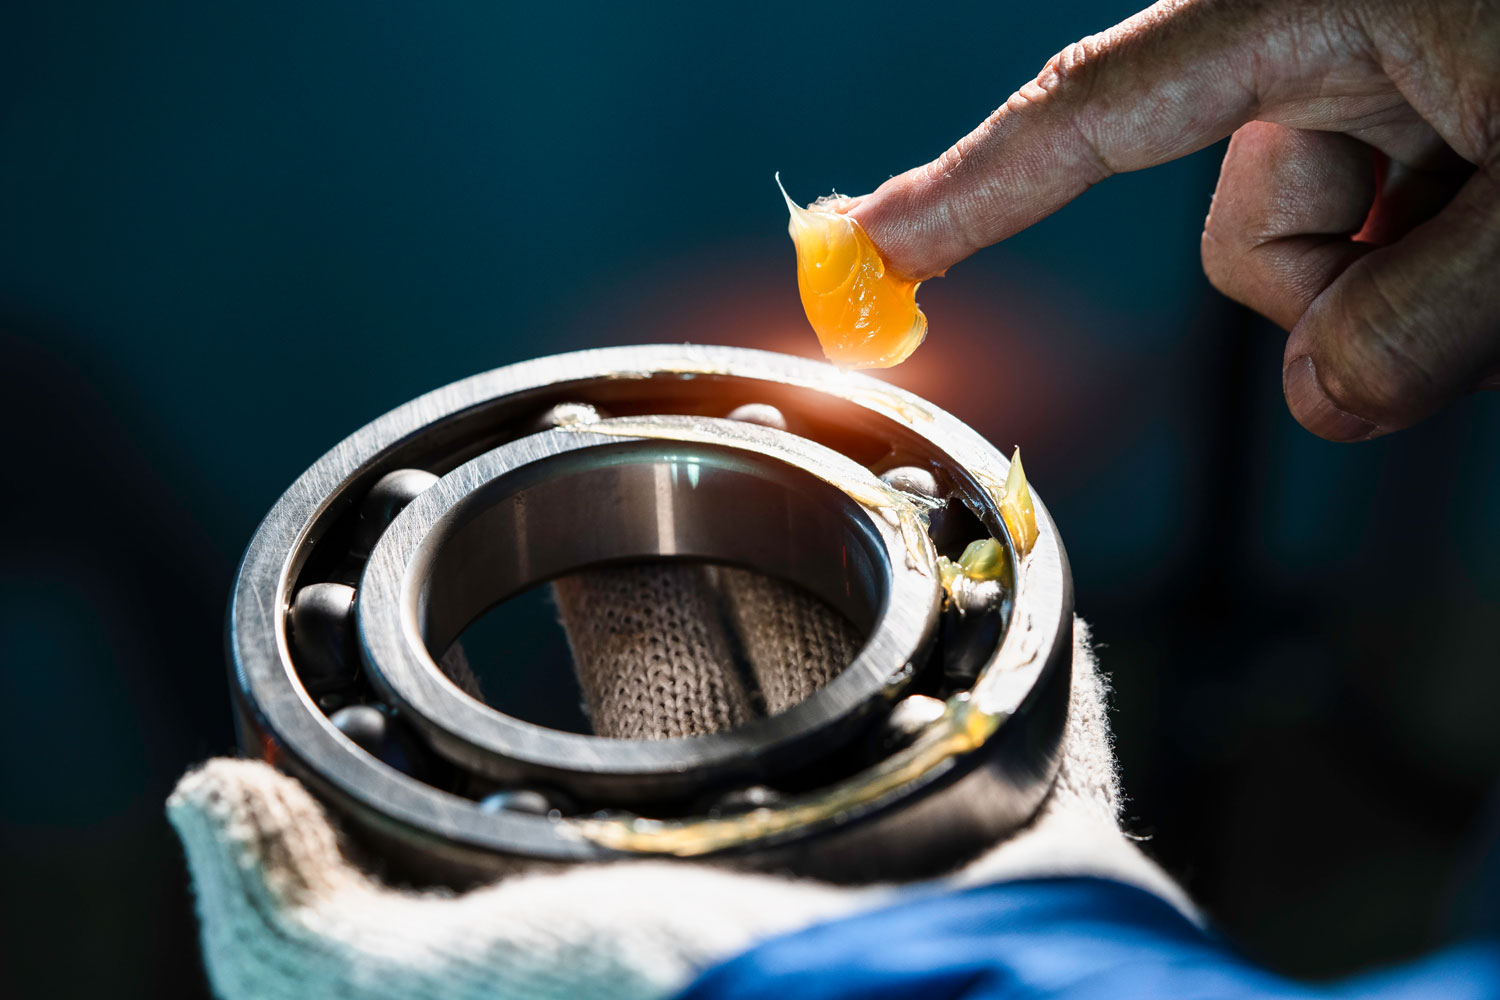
[[1071, 73], [1226, 248], [1218, 257], [1072, 78]]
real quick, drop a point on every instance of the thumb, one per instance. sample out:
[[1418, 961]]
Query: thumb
[[1407, 329], [252, 833]]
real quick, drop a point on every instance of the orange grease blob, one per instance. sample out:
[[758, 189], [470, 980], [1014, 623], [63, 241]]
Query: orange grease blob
[[865, 315]]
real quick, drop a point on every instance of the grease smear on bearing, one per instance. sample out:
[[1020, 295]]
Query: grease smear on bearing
[[962, 728]]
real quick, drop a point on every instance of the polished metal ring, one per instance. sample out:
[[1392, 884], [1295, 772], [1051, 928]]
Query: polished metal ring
[[943, 734]]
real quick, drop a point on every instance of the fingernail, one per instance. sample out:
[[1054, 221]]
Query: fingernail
[[1311, 405]]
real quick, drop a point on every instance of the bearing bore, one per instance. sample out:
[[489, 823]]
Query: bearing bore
[[941, 736]]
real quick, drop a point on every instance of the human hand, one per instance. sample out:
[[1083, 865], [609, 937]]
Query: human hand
[[287, 910], [1358, 206]]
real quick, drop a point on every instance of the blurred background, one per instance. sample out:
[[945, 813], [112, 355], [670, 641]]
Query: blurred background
[[232, 234]]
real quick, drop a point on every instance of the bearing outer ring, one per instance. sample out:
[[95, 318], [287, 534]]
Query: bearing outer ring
[[1022, 691]]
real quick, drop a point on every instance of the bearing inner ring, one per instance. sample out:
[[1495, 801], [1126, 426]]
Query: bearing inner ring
[[568, 499]]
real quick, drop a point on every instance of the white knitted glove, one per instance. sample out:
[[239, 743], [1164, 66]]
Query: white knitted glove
[[286, 915]]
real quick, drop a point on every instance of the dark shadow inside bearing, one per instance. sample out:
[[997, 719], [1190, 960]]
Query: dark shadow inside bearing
[[517, 653]]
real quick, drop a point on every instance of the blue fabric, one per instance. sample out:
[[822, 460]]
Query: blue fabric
[[1074, 938]]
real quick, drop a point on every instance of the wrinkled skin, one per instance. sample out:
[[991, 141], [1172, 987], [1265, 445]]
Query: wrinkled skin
[[1358, 205]]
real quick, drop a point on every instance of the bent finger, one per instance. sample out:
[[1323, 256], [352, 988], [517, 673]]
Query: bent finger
[[1407, 328], [1286, 208]]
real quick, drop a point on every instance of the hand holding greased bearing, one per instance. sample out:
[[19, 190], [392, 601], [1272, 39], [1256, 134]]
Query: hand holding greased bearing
[[1358, 205]]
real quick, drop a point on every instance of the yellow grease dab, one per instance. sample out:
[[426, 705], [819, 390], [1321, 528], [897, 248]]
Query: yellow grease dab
[[981, 560], [1017, 509], [865, 315]]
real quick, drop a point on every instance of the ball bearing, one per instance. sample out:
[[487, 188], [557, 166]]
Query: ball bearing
[[348, 609]]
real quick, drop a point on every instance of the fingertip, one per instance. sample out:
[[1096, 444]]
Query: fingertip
[[916, 240]]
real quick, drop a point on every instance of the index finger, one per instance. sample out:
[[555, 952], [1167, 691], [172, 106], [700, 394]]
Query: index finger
[[1174, 78]]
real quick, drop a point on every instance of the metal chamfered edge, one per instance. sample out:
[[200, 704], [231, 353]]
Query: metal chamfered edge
[[1027, 675]]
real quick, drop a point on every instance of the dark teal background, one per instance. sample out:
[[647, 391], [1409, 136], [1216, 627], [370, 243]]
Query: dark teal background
[[230, 234]]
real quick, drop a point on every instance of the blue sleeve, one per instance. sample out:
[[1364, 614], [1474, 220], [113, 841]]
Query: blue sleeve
[[1072, 938]]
